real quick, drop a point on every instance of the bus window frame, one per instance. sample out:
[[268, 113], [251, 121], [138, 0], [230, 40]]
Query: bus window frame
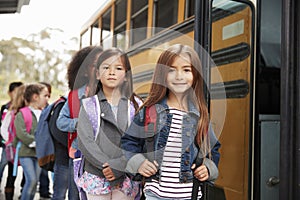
[[85, 38], [133, 16], [188, 8], [156, 28], [108, 37], [95, 37], [121, 26]]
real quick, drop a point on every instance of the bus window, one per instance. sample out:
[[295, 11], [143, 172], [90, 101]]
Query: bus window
[[139, 17], [95, 33], [189, 8], [120, 24], [85, 38], [106, 40], [165, 14]]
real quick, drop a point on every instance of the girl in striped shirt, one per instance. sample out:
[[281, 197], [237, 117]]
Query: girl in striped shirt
[[182, 133]]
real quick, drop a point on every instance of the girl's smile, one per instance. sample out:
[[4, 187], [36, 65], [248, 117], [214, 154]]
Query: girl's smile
[[180, 77]]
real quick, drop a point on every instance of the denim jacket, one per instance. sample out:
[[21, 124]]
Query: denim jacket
[[134, 143]]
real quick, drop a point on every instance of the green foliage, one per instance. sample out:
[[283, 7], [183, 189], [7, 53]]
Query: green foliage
[[40, 57]]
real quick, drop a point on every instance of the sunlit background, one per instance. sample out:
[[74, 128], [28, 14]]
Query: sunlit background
[[37, 43]]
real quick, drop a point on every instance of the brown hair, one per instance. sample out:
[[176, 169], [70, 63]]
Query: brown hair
[[31, 89], [18, 100], [49, 87], [159, 88], [81, 61]]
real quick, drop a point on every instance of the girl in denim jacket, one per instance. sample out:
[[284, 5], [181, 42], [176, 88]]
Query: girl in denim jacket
[[167, 157], [102, 121]]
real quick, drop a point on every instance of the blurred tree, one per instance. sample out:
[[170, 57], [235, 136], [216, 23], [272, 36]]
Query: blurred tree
[[40, 57]]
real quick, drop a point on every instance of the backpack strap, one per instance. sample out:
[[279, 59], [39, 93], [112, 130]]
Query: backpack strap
[[150, 130], [196, 182], [150, 121], [74, 106], [92, 107], [74, 103], [27, 115], [93, 110], [58, 101], [11, 128]]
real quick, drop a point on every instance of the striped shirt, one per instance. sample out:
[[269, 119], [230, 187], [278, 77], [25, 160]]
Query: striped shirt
[[169, 185]]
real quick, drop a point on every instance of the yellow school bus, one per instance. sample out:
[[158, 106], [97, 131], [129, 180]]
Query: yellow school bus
[[249, 46]]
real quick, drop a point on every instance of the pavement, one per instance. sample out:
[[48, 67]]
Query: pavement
[[17, 185]]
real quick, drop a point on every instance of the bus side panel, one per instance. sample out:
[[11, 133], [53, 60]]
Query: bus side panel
[[228, 32]]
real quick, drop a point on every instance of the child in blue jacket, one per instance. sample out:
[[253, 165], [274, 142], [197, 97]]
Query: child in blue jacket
[[166, 156]]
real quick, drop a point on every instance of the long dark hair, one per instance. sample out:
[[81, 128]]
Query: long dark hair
[[78, 67], [159, 89], [127, 87]]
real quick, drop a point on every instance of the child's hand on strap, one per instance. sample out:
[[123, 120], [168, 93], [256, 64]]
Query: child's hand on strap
[[148, 168], [201, 172]]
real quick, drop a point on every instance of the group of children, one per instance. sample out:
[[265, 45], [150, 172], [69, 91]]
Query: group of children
[[19, 124], [125, 156]]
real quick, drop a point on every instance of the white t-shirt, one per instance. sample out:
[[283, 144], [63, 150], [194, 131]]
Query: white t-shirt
[[37, 113], [5, 125]]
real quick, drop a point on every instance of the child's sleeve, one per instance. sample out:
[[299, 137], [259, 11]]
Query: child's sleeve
[[132, 143], [64, 122], [212, 164], [215, 145]]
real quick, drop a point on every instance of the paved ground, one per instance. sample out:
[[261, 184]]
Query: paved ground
[[17, 185]]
